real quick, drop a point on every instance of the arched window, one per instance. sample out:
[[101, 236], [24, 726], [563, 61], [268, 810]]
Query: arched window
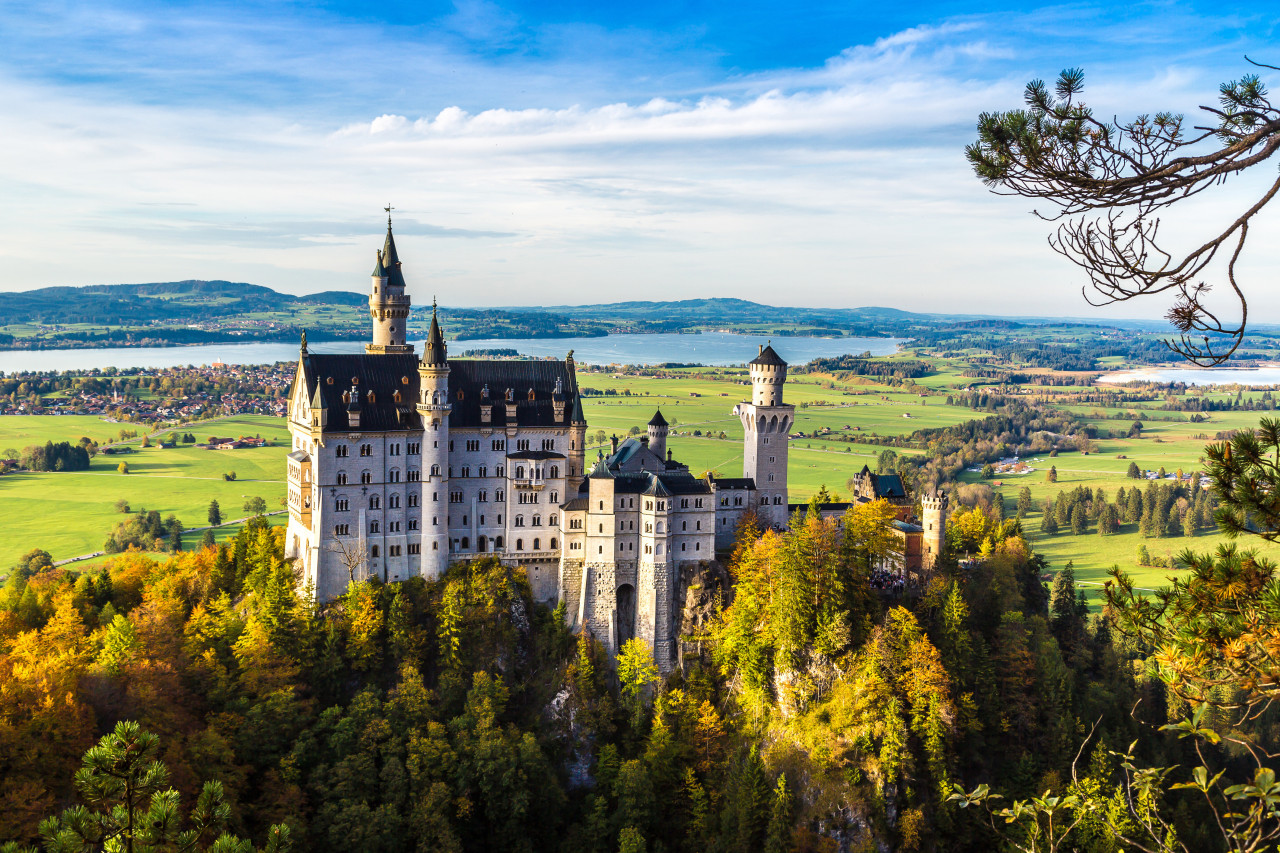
[[375, 502], [466, 542], [520, 472], [555, 471], [537, 544], [396, 396], [373, 551], [342, 478], [435, 470], [537, 521], [553, 543], [393, 501], [519, 544], [519, 521], [555, 497], [366, 477], [530, 393], [497, 543]]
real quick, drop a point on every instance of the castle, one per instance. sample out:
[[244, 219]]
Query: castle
[[400, 465]]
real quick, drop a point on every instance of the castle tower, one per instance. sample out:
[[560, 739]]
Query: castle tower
[[433, 406], [933, 518], [658, 434], [388, 303], [766, 424]]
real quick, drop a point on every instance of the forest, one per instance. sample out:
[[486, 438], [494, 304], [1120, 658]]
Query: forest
[[204, 701]]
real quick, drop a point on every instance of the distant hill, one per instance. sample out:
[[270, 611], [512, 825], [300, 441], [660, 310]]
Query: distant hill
[[170, 301]]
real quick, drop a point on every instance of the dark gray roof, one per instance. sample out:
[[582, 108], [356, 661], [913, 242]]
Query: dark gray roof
[[768, 356], [536, 454], [435, 352], [888, 486], [469, 377], [378, 270], [391, 260], [734, 482], [576, 505], [384, 375], [657, 419]]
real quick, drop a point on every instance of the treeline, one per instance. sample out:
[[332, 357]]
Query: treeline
[[1161, 510], [63, 456], [857, 365], [132, 383]]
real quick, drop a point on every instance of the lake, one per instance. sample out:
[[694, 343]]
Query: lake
[[1196, 375], [712, 348]]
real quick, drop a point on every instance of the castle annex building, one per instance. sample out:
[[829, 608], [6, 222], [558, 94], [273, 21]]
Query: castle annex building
[[401, 464]]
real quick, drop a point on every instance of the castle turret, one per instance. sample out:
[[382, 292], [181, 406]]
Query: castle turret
[[388, 302], [766, 425], [658, 434], [434, 408], [933, 518]]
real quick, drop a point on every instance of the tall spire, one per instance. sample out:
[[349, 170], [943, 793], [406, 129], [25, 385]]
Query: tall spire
[[390, 258], [435, 352]]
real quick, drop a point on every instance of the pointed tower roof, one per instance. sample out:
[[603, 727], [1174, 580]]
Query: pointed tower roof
[[378, 270], [768, 356], [435, 352], [317, 400], [390, 259], [601, 468], [658, 419], [577, 416]]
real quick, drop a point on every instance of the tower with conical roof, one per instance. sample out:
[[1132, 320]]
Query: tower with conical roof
[[766, 425], [434, 408], [658, 434], [388, 302]]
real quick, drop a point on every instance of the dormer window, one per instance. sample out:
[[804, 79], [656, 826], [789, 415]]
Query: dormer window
[[370, 397], [459, 393], [396, 396], [346, 396], [530, 393]]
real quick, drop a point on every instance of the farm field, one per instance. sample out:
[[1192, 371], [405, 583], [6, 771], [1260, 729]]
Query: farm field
[[69, 514]]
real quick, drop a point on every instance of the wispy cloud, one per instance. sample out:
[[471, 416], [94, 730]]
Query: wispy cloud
[[538, 162]]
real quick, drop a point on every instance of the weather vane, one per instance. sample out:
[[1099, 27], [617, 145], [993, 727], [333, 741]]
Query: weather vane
[[388, 209]]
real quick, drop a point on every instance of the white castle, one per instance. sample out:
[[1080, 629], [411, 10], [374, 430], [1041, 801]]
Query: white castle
[[401, 465]]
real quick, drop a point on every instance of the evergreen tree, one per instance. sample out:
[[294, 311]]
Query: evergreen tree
[[215, 513], [1079, 523], [1024, 502], [1052, 476], [1049, 524], [1134, 473], [207, 541], [781, 819]]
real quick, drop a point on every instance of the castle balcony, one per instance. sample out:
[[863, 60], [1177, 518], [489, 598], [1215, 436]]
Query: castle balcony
[[528, 482]]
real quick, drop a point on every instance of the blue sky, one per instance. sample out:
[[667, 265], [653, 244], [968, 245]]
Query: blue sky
[[564, 152]]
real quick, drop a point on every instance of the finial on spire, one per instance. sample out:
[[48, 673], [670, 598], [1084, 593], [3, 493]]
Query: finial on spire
[[388, 209]]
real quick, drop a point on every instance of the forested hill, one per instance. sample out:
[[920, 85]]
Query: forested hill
[[173, 301]]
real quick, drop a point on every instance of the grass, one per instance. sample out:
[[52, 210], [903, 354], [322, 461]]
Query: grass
[[69, 514]]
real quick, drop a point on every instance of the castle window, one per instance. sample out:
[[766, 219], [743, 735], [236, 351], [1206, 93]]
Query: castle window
[[483, 496], [413, 525], [684, 503], [355, 380], [662, 505], [777, 499], [699, 526], [393, 502], [370, 397], [366, 450], [466, 542], [764, 500], [519, 521], [537, 521], [770, 478], [549, 444], [340, 505], [684, 525], [499, 495], [648, 504], [473, 446], [659, 548], [342, 478], [519, 544], [341, 450], [346, 397], [375, 502], [435, 470], [373, 527], [499, 444], [697, 546], [602, 506], [397, 398], [395, 475], [530, 393], [698, 503], [415, 547], [404, 380], [552, 519], [459, 393], [366, 477], [413, 448], [648, 528], [724, 501], [342, 530], [555, 472], [414, 475], [537, 544], [553, 543], [520, 473], [599, 549], [373, 551], [682, 546], [435, 546], [621, 547], [555, 497], [466, 470], [522, 444], [659, 526], [499, 471], [328, 380], [497, 542], [450, 446]]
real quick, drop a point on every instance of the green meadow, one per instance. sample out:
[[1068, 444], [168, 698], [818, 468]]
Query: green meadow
[[69, 514]]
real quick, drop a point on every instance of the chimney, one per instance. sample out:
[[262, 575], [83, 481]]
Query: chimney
[[614, 440]]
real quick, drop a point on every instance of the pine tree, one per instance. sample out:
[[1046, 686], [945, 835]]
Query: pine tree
[[1079, 523], [781, 819], [1024, 502], [1049, 524], [1134, 473], [1189, 523], [1052, 476], [215, 513]]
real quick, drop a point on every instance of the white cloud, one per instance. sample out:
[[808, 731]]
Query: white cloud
[[839, 184]]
